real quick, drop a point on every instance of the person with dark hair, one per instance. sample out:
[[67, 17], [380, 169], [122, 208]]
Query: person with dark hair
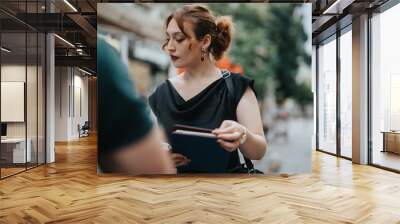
[[199, 96], [127, 139]]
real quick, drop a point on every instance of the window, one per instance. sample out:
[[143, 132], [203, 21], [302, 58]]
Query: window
[[346, 93], [327, 96], [385, 89], [22, 89]]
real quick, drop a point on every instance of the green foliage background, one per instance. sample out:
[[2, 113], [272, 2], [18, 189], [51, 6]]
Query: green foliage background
[[269, 43]]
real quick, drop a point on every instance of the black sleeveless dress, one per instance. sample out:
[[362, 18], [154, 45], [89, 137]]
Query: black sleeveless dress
[[207, 109]]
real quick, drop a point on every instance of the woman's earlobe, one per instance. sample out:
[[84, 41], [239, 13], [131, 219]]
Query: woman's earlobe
[[203, 52]]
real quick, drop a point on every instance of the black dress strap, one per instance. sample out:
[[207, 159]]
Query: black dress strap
[[229, 84]]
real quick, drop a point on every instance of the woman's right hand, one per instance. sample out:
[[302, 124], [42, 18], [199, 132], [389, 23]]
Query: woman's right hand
[[179, 159]]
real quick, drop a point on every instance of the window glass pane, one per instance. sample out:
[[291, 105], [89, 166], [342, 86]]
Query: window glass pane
[[346, 94], [41, 98], [327, 96], [22, 87], [14, 153], [386, 88], [31, 97]]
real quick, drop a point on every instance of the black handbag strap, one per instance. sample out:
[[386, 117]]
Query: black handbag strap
[[229, 84]]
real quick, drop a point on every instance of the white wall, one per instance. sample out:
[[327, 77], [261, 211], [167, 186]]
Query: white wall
[[71, 88], [33, 126], [80, 94], [62, 80], [13, 73]]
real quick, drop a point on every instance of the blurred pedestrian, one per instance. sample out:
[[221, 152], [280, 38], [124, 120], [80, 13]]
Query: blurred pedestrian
[[127, 139]]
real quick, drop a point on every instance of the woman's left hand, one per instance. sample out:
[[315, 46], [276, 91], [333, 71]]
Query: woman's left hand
[[229, 134]]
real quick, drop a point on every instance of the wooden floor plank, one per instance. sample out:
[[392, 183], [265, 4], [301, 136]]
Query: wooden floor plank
[[70, 191]]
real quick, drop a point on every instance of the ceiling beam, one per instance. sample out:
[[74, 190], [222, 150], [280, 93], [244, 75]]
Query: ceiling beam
[[86, 26], [82, 61], [337, 7]]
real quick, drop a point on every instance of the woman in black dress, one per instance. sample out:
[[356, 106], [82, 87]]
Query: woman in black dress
[[200, 96]]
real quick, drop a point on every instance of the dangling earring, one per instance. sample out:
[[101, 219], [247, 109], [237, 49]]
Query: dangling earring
[[202, 54]]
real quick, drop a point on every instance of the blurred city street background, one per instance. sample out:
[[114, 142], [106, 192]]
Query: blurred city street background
[[289, 154]]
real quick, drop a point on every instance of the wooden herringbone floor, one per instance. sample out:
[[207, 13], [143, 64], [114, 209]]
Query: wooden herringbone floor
[[70, 191]]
